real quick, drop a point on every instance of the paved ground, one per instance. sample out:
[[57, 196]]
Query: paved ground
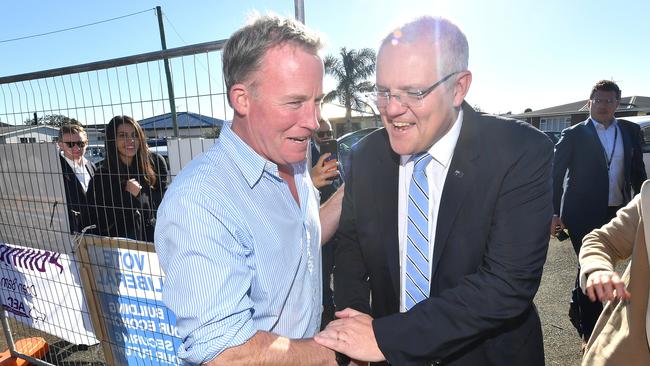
[[561, 342]]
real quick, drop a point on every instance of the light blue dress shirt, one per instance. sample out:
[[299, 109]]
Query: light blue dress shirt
[[238, 252]]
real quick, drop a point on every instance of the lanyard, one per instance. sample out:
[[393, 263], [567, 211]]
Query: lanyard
[[611, 155]]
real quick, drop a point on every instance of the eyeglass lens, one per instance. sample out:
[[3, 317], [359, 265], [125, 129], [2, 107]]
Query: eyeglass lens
[[79, 144]]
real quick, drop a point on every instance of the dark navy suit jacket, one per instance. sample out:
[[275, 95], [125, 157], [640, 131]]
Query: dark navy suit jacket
[[490, 247], [579, 157]]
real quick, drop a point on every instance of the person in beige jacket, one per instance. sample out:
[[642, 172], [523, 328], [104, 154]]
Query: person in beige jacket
[[621, 333]]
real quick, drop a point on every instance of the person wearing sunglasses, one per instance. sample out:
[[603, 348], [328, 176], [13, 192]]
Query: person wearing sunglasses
[[129, 184], [77, 174], [325, 176]]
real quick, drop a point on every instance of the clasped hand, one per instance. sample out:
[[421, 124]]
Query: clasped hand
[[352, 335]]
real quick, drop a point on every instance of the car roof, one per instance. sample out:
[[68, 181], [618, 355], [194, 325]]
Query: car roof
[[641, 120]]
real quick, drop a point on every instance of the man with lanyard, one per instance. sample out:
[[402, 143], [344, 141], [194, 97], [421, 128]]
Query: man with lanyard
[[603, 162]]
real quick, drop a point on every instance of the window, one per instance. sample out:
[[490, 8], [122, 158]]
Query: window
[[555, 124], [25, 140]]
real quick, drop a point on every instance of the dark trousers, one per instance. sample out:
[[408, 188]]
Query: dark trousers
[[584, 313]]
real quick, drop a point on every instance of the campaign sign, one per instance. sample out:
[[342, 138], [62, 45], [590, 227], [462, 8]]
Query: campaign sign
[[127, 285], [41, 289]]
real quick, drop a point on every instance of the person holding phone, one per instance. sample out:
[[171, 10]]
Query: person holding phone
[[324, 160], [325, 176]]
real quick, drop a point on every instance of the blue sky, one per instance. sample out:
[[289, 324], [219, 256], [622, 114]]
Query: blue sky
[[523, 54]]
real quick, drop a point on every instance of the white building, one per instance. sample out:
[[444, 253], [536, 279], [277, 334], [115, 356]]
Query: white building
[[28, 134]]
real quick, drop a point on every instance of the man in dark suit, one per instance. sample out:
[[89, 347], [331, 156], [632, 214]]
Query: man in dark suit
[[465, 297], [602, 162], [77, 173], [325, 176]]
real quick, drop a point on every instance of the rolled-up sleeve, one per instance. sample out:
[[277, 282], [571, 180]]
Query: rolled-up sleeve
[[204, 255]]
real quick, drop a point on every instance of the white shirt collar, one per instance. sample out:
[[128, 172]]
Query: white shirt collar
[[443, 150], [598, 124], [72, 162]]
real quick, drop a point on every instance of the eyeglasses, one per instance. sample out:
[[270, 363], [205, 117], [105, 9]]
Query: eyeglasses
[[604, 101], [407, 98], [324, 134], [79, 144]]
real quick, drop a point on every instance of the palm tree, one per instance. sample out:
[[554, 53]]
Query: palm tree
[[351, 72]]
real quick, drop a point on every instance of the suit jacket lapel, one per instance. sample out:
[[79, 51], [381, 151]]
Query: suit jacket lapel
[[627, 159], [386, 189], [460, 178], [598, 146]]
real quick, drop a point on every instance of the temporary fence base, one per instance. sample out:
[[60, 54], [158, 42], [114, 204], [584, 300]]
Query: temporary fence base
[[35, 347]]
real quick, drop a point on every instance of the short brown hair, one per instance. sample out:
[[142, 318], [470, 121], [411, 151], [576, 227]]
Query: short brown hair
[[245, 49], [608, 86], [72, 128]]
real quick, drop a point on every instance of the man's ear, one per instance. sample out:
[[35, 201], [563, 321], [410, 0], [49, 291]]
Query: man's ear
[[461, 88], [240, 95]]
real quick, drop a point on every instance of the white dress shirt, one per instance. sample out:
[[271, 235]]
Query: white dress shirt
[[442, 152], [611, 139], [80, 171]]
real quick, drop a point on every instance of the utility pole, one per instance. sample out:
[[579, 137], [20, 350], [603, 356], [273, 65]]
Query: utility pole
[[299, 6], [168, 74]]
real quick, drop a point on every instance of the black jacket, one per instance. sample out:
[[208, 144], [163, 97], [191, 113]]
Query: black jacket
[[120, 214], [490, 246], [77, 200]]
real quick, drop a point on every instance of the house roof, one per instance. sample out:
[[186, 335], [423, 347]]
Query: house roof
[[633, 103], [183, 119], [13, 129]]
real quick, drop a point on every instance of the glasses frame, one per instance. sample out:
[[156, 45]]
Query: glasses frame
[[79, 144], [418, 94], [324, 134], [603, 101]]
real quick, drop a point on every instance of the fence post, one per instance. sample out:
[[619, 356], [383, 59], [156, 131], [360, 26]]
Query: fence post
[[170, 85]]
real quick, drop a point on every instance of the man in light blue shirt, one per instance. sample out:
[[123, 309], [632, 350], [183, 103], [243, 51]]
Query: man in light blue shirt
[[238, 233]]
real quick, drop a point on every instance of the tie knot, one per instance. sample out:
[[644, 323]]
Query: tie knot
[[421, 161]]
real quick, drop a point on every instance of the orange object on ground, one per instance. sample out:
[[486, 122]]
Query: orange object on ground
[[35, 347]]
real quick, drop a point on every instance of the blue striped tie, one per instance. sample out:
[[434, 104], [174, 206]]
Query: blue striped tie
[[417, 234]]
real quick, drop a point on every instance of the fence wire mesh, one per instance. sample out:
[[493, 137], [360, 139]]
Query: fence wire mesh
[[91, 292]]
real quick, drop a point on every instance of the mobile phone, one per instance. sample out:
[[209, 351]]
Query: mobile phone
[[561, 235], [330, 146]]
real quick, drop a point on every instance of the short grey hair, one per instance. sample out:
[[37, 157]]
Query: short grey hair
[[451, 45], [245, 49]]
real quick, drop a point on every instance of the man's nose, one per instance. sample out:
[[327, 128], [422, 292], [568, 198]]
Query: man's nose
[[394, 107]]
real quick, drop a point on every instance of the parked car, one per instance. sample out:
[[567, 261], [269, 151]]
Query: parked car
[[644, 123], [346, 142]]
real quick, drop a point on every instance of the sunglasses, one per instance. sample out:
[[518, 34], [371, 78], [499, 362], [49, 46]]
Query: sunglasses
[[79, 144], [324, 134]]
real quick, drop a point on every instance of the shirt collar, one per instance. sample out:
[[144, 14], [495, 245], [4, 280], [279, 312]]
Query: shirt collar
[[443, 150], [599, 125], [249, 162], [72, 162]]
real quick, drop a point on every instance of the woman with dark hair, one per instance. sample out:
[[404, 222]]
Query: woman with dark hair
[[129, 185]]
